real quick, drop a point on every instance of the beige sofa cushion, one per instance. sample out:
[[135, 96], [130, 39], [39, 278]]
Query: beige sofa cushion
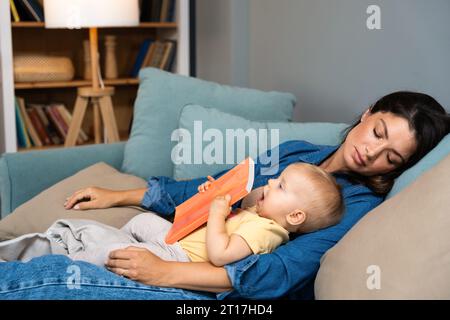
[[37, 214], [400, 250]]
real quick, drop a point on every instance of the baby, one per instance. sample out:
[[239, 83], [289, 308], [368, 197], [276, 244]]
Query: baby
[[304, 198]]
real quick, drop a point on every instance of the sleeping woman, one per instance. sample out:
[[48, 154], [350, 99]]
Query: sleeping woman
[[390, 137]]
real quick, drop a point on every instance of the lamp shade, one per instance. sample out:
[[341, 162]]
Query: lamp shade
[[75, 14]]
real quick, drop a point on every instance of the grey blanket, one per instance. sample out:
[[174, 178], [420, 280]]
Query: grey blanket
[[68, 237]]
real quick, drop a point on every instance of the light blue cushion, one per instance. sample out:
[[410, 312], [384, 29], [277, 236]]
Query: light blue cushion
[[318, 133], [160, 98], [427, 162]]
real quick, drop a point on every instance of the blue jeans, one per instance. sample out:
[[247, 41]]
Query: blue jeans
[[55, 277]]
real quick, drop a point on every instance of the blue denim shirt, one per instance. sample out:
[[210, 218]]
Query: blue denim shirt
[[290, 270]]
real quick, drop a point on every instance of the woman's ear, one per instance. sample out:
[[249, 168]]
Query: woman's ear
[[366, 114], [296, 217]]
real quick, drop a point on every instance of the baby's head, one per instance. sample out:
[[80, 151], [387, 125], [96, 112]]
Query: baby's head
[[304, 198]]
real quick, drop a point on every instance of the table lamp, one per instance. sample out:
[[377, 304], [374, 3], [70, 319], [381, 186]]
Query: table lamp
[[92, 14]]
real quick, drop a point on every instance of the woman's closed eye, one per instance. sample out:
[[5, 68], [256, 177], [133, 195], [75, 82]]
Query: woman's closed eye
[[389, 160], [376, 134], [395, 159], [392, 161]]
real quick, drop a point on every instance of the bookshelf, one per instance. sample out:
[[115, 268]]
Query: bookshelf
[[32, 24], [73, 83], [32, 37]]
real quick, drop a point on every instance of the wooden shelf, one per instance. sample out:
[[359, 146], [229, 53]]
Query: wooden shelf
[[157, 25], [73, 83], [27, 24], [33, 24], [123, 138]]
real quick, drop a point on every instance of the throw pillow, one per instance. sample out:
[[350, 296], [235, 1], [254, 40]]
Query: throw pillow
[[161, 96], [427, 162], [37, 214], [400, 250], [196, 120]]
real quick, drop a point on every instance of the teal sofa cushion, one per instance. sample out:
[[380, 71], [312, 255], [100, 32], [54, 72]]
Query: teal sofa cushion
[[214, 121], [426, 163], [160, 98]]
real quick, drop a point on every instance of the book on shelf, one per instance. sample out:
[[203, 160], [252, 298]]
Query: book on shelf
[[41, 125], [48, 125], [148, 55], [38, 126], [29, 10], [161, 54], [23, 138], [157, 10], [164, 14], [171, 14], [22, 11], [156, 55], [62, 121], [172, 57], [34, 137], [169, 55], [14, 13], [145, 10], [35, 9], [140, 57], [57, 121], [193, 213], [67, 117]]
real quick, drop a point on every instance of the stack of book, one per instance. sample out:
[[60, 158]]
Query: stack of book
[[26, 10], [157, 10], [156, 54], [42, 125]]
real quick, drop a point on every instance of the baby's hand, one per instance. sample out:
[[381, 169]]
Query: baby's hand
[[204, 186], [220, 206]]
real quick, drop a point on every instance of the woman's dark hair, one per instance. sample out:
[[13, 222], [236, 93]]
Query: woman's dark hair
[[427, 119]]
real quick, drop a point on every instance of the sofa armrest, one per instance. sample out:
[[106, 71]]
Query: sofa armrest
[[25, 174]]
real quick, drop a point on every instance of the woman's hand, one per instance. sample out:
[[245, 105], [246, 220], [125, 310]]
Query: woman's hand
[[92, 198], [204, 186], [141, 265], [138, 264]]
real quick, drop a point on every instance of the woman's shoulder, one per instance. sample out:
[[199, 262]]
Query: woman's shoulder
[[357, 192], [301, 143], [302, 147]]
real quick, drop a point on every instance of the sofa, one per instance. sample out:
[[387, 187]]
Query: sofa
[[167, 102]]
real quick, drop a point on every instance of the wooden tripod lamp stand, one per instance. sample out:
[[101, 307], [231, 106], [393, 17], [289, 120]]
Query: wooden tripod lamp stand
[[76, 14]]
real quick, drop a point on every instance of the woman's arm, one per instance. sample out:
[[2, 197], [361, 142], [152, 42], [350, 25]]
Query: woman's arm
[[100, 198], [130, 197], [141, 265]]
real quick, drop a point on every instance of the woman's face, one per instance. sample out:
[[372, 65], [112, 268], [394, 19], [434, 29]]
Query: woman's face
[[380, 143]]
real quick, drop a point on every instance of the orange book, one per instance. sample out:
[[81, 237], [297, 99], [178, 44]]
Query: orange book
[[193, 213]]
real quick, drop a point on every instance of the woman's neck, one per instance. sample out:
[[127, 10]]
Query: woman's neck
[[335, 162]]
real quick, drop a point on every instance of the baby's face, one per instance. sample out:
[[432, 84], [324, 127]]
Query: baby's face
[[289, 192]]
